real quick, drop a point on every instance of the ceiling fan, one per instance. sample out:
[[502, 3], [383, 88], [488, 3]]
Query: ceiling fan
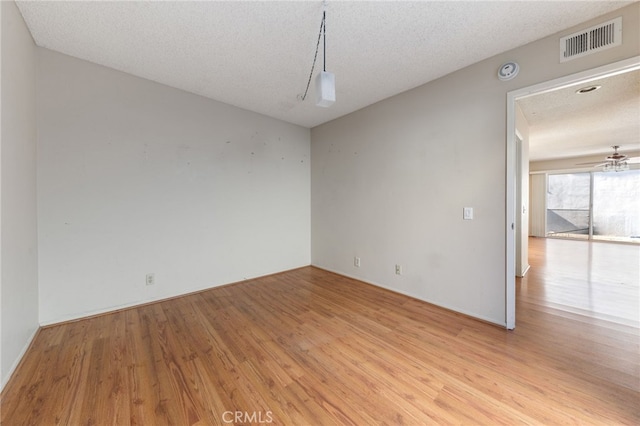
[[616, 162]]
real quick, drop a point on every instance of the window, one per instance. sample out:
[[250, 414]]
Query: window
[[616, 205], [596, 205], [568, 200]]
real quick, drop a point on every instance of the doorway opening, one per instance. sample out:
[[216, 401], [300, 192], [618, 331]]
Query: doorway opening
[[514, 210]]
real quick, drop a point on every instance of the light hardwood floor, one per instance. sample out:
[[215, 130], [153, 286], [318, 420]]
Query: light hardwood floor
[[308, 347]]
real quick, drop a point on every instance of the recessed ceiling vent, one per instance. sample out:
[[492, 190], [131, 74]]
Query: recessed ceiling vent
[[591, 40]]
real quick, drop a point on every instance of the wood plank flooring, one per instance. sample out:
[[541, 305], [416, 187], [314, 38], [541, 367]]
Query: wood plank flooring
[[596, 279], [308, 347]]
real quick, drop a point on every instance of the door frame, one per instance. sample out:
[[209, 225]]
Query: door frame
[[583, 77]]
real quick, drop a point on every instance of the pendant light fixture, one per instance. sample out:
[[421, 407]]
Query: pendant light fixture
[[325, 81]]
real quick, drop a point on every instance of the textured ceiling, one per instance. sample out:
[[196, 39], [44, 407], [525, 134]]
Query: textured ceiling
[[257, 55], [566, 124]]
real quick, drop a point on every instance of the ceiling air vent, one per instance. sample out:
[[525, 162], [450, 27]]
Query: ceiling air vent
[[591, 40]]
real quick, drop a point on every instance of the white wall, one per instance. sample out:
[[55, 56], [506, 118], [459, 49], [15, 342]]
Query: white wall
[[18, 250], [389, 182], [136, 178]]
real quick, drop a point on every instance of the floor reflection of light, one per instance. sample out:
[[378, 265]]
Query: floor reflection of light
[[599, 277]]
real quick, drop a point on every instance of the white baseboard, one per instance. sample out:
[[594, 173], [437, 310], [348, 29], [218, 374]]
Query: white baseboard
[[155, 299], [17, 361], [450, 308], [525, 271]]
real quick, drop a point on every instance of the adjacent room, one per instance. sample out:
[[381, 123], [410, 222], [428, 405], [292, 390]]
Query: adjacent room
[[583, 192], [315, 212]]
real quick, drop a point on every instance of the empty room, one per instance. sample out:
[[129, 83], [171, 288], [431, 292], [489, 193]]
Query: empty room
[[317, 212]]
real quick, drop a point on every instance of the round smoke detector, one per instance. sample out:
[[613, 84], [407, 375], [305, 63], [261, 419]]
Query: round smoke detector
[[508, 71]]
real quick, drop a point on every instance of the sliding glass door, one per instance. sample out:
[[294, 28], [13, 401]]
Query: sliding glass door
[[568, 205], [616, 206], [598, 205]]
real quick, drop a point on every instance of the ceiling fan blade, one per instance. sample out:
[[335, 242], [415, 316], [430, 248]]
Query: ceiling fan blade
[[609, 160], [590, 164]]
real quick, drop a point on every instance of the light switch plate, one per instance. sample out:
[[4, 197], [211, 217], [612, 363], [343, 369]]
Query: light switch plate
[[467, 213]]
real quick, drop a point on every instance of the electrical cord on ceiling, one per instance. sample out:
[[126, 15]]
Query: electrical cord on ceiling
[[324, 41], [322, 31]]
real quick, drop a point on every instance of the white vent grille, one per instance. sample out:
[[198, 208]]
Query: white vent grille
[[591, 40]]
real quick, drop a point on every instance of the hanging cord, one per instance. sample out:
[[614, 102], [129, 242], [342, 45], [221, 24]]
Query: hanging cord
[[322, 31], [324, 41]]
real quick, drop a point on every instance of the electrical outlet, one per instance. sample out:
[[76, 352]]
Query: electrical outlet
[[398, 269], [151, 279], [356, 262]]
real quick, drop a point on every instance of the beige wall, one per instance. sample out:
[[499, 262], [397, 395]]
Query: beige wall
[[538, 205], [135, 178], [389, 182], [522, 195], [18, 249]]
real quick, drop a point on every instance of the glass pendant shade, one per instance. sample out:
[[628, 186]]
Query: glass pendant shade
[[325, 89]]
